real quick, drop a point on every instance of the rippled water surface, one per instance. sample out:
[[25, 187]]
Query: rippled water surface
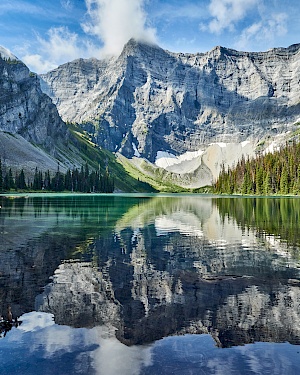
[[149, 284]]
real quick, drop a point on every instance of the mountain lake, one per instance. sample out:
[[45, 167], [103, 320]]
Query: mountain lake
[[148, 284]]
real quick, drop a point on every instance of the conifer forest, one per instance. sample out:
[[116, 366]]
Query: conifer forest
[[267, 174]]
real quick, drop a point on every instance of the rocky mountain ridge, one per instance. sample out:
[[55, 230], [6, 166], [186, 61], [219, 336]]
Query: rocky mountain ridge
[[149, 100], [163, 101], [23, 104], [32, 134], [172, 117]]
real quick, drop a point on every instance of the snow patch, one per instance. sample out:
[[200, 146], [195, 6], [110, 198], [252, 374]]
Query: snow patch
[[136, 153], [164, 154], [271, 148], [166, 159], [6, 54], [220, 144], [245, 143]]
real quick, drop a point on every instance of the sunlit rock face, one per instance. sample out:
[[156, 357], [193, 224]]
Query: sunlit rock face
[[149, 100], [173, 268], [32, 134], [24, 108]]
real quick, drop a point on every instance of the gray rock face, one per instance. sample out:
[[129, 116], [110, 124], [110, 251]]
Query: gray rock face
[[158, 100], [24, 108]]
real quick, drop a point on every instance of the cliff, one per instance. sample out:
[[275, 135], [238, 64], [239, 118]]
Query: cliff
[[149, 100]]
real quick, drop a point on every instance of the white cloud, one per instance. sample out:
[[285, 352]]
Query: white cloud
[[263, 32], [67, 4], [114, 22], [60, 46], [21, 6], [36, 63], [226, 13]]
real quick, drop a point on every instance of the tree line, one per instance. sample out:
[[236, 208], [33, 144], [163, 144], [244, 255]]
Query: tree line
[[267, 174], [75, 180]]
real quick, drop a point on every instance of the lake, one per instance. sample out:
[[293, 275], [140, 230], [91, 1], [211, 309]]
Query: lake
[[149, 284]]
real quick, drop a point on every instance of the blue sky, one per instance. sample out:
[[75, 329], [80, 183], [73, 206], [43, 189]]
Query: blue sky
[[47, 33]]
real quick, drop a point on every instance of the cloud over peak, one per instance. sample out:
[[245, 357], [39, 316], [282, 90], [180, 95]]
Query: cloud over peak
[[114, 22]]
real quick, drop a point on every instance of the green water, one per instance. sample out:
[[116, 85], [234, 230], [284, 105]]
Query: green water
[[150, 284]]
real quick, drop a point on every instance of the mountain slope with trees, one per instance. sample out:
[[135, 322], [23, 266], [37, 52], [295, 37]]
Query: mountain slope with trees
[[33, 137], [267, 174]]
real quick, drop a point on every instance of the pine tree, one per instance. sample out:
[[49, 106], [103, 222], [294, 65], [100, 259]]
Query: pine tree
[[47, 180], [68, 181], [6, 186], [11, 182], [20, 180], [36, 185], [284, 185], [267, 184], [259, 179]]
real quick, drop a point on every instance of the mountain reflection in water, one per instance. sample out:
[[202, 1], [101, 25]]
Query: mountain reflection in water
[[139, 269]]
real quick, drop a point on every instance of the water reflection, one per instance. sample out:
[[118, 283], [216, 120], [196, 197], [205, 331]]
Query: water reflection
[[136, 270]]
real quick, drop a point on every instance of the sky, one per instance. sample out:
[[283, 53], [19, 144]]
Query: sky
[[48, 33]]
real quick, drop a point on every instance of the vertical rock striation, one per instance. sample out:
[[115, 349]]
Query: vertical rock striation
[[24, 108], [148, 100]]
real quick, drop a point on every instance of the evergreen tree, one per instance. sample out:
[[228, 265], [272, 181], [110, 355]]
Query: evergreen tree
[[20, 180], [47, 180], [36, 185], [6, 186], [83, 181], [259, 179], [11, 182], [278, 172], [267, 184], [284, 183], [68, 181]]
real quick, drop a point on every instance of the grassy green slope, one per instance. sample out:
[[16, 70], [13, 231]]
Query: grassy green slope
[[160, 179], [100, 158]]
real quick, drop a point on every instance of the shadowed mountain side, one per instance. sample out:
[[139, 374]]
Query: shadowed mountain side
[[32, 134], [151, 100], [16, 152], [26, 111]]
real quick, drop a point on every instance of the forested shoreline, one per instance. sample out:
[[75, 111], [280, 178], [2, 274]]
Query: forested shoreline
[[267, 174], [75, 180]]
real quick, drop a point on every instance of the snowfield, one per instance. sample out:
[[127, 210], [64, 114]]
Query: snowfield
[[215, 155]]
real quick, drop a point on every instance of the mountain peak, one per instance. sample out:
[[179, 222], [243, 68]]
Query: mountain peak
[[6, 54], [134, 45]]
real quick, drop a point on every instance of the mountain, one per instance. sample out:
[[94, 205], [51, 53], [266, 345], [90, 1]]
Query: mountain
[[32, 131], [33, 135], [155, 105]]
